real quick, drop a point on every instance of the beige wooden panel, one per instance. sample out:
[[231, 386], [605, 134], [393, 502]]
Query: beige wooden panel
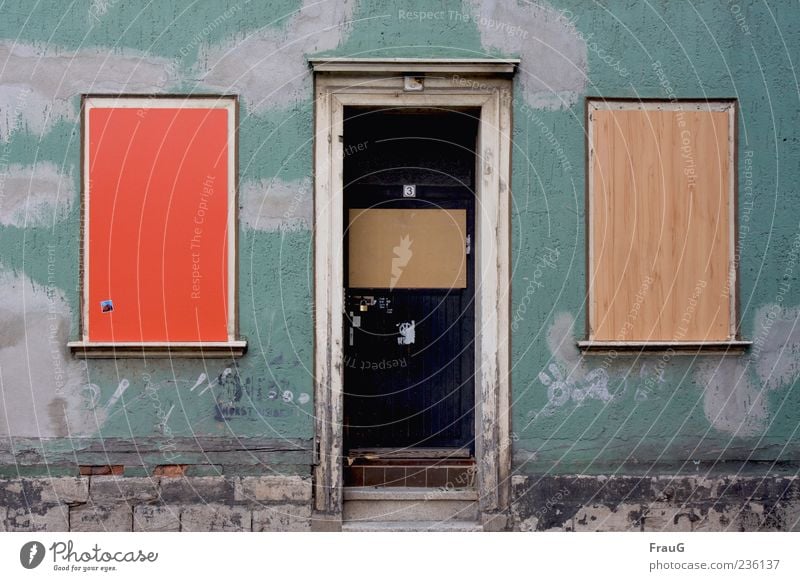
[[660, 225], [415, 248]]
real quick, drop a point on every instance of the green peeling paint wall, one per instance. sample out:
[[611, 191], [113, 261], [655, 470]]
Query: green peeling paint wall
[[570, 413]]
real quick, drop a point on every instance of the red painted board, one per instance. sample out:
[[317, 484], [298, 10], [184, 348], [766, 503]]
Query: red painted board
[[158, 215]]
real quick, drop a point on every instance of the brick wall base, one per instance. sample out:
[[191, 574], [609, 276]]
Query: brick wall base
[[116, 503]]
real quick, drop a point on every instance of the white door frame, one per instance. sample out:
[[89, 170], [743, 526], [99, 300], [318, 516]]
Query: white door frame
[[480, 83]]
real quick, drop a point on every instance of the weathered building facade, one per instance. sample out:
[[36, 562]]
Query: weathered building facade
[[561, 423]]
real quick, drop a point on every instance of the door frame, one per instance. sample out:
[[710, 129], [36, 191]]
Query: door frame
[[481, 83]]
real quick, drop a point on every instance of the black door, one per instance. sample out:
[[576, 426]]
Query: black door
[[409, 352]]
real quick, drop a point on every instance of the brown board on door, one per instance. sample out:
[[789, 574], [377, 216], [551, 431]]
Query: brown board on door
[[407, 248]]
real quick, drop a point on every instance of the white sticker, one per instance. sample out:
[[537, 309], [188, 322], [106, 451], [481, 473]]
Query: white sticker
[[407, 333]]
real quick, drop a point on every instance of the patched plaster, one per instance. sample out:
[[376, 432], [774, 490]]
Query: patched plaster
[[37, 83], [35, 195], [44, 392], [736, 388], [276, 205], [552, 74], [268, 68]]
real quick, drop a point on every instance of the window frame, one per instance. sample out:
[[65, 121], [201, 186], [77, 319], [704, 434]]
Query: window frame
[[734, 342], [234, 346]]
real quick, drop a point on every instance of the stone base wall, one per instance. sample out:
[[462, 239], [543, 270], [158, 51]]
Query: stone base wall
[[666, 503], [117, 503], [283, 503]]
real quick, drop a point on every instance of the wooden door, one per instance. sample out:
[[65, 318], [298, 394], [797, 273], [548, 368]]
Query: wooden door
[[409, 318]]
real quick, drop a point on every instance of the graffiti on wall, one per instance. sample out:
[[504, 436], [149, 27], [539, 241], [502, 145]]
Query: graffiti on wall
[[735, 388]]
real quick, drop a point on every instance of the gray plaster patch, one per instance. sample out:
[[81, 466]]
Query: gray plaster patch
[[561, 342], [37, 83], [732, 402], [552, 72], [777, 345], [736, 387], [276, 205], [42, 388], [35, 195], [269, 67]]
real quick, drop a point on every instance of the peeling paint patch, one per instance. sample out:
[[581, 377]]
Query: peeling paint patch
[[41, 385], [35, 195], [37, 82], [277, 205], [269, 67], [552, 74]]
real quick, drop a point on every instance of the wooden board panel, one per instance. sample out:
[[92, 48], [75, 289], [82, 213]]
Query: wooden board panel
[[415, 248], [158, 219], [660, 195]]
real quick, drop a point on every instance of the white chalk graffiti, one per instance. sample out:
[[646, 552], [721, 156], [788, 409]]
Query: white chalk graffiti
[[121, 388], [91, 392], [200, 379], [561, 389]]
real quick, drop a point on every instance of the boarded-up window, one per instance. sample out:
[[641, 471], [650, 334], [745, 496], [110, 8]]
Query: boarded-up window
[[159, 212], [661, 224]]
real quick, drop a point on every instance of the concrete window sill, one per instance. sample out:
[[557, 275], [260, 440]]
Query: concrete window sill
[[732, 346], [185, 350]]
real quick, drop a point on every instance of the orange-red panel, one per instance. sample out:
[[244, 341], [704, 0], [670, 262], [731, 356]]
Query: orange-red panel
[[158, 214]]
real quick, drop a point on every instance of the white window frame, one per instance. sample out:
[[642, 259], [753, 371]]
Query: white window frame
[[734, 341], [234, 346]]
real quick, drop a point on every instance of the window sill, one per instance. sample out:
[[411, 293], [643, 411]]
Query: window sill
[[184, 350], [678, 347]]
